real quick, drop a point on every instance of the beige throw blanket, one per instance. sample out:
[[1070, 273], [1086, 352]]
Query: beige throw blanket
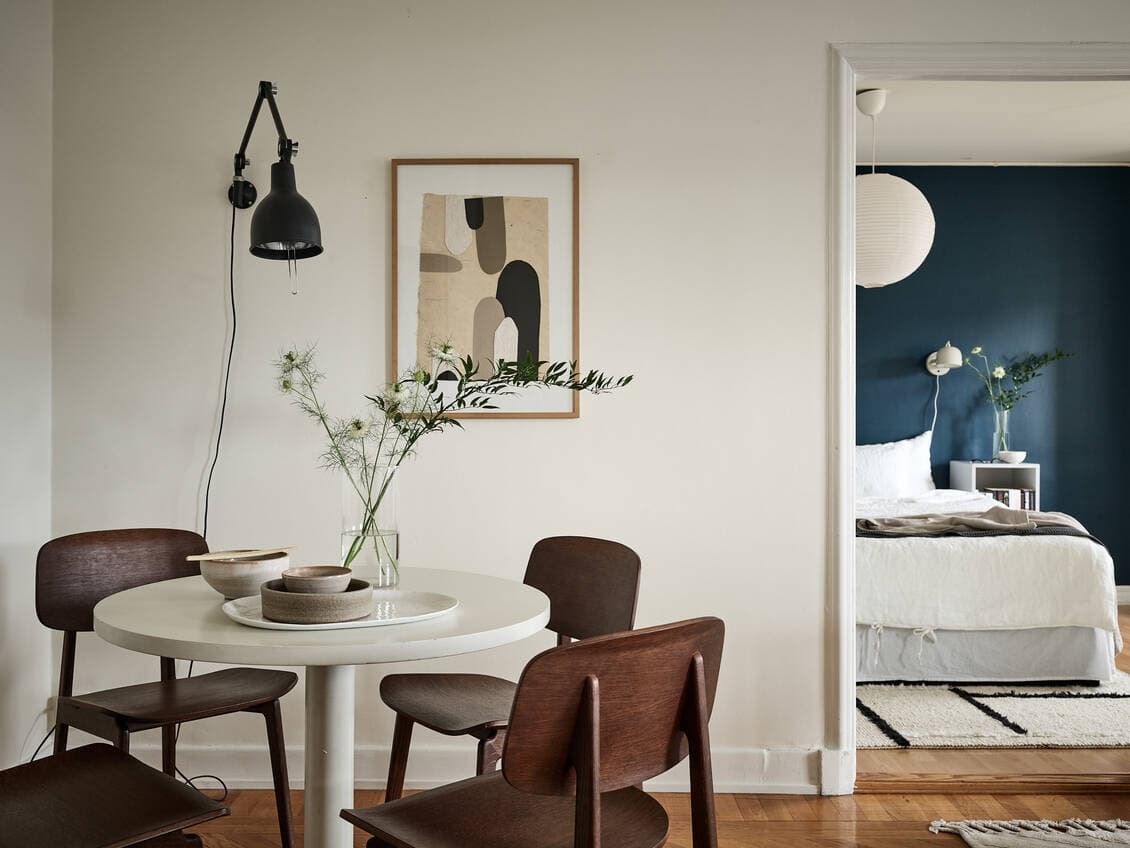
[[996, 520]]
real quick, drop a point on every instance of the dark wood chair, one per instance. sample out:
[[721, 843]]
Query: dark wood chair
[[72, 574], [592, 586], [591, 721], [96, 797]]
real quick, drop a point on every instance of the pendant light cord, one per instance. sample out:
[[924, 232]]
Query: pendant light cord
[[874, 140], [227, 374]]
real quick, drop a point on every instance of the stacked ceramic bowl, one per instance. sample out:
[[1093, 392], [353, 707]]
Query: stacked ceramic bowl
[[237, 574], [316, 594]]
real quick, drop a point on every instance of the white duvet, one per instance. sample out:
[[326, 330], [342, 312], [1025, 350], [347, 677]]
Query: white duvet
[[988, 583]]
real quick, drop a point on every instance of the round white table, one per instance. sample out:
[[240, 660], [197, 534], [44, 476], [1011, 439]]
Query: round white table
[[182, 619]]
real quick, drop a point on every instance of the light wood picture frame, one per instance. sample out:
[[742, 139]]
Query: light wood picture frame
[[486, 256]]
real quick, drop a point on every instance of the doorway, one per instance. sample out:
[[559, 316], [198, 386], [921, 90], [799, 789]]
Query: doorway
[[852, 65]]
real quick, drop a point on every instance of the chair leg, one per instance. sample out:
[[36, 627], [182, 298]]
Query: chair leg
[[169, 750], [60, 744], [121, 740], [273, 714], [490, 752], [169, 732], [398, 757]]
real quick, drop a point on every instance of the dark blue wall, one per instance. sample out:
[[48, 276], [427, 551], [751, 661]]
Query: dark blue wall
[[1024, 260]]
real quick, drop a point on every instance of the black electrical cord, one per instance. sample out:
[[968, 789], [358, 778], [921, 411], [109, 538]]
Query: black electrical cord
[[39, 747], [191, 781], [227, 373]]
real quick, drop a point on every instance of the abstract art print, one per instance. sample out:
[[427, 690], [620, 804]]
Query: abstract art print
[[485, 259]]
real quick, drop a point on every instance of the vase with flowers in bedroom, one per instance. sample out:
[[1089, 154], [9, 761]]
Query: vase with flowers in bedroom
[[1005, 385]]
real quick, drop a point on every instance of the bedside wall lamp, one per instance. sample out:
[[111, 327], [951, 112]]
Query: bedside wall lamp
[[938, 363], [943, 359]]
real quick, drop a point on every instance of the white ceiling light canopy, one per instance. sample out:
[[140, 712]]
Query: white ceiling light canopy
[[894, 224]]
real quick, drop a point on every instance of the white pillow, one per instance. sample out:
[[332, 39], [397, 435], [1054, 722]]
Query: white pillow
[[894, 469]]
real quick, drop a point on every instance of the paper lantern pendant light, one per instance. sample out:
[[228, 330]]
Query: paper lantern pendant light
[[894, 224]]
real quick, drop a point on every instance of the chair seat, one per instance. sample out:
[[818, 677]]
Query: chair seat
[[94, 797], [454, 704], [487, 812], [186, 698]]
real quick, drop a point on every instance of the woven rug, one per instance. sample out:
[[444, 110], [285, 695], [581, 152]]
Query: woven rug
[[971, 716], [1037, 834]]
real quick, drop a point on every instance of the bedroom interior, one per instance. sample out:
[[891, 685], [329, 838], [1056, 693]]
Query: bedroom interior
[[984, 656]]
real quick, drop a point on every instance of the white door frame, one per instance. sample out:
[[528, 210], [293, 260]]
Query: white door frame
[[850, 63]]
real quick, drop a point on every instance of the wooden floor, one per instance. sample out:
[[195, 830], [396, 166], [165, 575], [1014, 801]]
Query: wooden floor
[[757, 821], [1002, 769], [901, 792]]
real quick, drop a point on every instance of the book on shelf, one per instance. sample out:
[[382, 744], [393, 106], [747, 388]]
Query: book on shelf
[[1012, 498]]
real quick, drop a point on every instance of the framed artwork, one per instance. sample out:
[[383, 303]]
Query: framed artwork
[[485, 257]]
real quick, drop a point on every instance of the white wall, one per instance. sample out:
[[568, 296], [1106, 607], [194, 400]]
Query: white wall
[[25, 351], [702, 133]]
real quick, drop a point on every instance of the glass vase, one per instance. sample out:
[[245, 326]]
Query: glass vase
[[1000, 432], [370, 537]]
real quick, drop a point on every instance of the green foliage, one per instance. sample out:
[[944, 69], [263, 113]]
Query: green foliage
[[1005, 382], [364, 447]]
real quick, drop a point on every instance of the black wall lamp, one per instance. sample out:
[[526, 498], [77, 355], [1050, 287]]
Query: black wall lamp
[[284, 225]]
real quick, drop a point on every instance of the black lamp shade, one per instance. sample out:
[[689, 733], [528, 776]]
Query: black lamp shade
[[285, 225]]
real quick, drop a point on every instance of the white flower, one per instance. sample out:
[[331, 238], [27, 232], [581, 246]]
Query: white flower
[[358, 428], [976, 350], [999, 372], [286, 384], [445, 353], [394, 396]]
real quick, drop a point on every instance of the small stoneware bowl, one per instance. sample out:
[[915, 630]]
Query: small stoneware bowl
[[1012, 457], [317, 579], [234, 576], [312, 608]]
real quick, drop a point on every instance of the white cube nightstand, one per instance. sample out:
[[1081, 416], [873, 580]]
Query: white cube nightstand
[[972, 476]]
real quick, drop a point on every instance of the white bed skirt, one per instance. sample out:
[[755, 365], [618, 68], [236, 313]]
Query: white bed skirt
[[983, 656]]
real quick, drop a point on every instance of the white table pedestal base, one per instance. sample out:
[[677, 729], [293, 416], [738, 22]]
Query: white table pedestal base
[[329, 755]]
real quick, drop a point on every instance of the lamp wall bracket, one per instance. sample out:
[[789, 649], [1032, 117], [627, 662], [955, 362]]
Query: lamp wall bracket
[[933, 367], [242, 193]]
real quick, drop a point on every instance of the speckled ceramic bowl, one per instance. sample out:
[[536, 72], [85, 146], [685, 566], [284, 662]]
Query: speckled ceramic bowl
[[316, 608], [238, 577], [317, 579]]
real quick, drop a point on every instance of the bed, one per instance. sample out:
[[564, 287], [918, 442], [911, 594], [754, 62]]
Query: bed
[[995, 609]]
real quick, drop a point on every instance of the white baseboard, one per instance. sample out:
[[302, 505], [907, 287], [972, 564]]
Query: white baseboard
[[741, 770], [1123, 595], [837, 772]]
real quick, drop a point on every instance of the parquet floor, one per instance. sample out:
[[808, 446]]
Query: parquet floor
[[952, 769], [756, 821]]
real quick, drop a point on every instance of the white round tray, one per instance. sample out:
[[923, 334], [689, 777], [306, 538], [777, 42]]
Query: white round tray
[[390, 606]]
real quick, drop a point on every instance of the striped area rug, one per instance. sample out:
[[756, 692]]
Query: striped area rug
[[1072, 833], [968, 715]]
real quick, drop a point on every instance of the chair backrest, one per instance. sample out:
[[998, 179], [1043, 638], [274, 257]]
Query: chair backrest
[[637, 702], [592, 584], [73, 573]]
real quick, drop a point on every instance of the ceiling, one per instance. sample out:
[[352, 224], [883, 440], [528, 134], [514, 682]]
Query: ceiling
[[1000, 122]]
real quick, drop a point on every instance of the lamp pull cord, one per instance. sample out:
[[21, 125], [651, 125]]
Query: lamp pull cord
[[227, 374]]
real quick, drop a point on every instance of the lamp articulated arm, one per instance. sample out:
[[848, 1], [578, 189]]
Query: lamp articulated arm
[[242, 193]]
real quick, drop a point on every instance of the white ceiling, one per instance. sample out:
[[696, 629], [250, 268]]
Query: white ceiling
[[1034, 122]]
